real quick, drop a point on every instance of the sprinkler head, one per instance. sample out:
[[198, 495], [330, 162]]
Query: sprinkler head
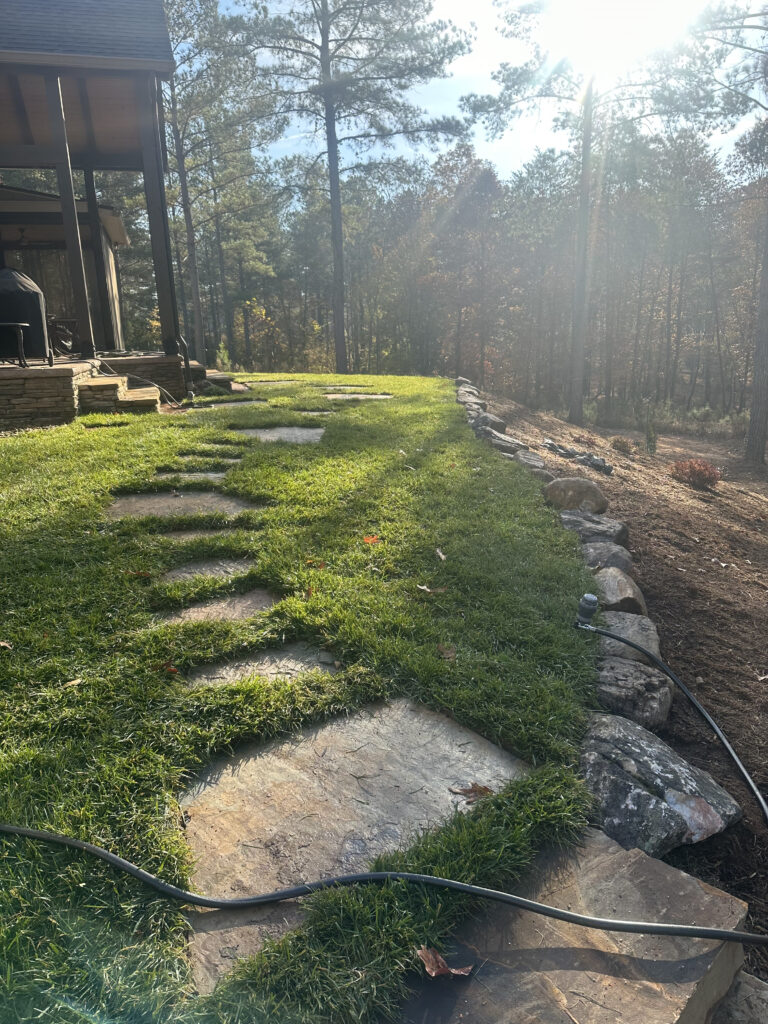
[[588, 605]]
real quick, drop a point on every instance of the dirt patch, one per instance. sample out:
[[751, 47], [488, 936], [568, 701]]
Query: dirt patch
[[701, 560]]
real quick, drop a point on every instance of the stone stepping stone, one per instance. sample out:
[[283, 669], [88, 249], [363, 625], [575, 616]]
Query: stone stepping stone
[[314, 412], [219, 568], [647, 795], [294, 435], [231, 405], [175, 503], [284, 663], [236, 606], [348, 397], [184, 535], [191, 476], [532, 969], [323, 802]]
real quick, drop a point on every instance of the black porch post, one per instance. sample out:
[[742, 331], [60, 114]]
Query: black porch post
[[69, 214], [154, 188]]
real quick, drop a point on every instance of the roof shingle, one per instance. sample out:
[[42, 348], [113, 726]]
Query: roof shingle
[[123, 30]]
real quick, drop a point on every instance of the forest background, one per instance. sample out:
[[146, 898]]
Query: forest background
[[638, 226]]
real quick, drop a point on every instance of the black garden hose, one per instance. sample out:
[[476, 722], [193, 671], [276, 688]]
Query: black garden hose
[[587, 609]]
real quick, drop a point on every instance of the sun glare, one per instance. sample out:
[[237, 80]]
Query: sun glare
[[606, 38]]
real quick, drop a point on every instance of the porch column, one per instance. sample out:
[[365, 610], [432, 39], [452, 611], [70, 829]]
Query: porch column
[[69, 214], [154, 188], [103, 305]]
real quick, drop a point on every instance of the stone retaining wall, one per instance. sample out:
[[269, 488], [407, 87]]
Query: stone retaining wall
[[40, 396], [165, 372]]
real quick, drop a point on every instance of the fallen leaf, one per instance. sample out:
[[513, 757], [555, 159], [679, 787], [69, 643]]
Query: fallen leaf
[[435, 965], [447, 652], [373, 539], [429, 590], [309, 593], [411, 467], [170, 667], [472, 793], [73, 682], [5, 645], [440, 554], [140, 572]]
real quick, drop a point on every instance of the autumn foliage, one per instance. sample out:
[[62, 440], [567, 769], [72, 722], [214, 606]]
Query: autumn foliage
[[697, 473]]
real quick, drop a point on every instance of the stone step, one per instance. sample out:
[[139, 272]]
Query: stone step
[[140, 400], [101, 394], [533, 969]]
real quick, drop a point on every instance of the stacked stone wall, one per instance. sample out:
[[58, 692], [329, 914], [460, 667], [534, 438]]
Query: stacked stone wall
[[41, 396]]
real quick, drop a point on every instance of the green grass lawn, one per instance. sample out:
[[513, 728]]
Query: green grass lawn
[[99, 734]]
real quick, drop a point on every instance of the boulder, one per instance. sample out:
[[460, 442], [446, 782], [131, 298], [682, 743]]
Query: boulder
[[543, 474], [635, 691], [463, 380], [637, 628], [465, 396], [603, 554], [620, 592], [590, 527], [745, 1003], [647, 795], [576, 492], [493, 422], [529, 459]]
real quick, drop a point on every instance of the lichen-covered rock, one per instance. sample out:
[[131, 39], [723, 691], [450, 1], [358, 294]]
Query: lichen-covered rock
[[606, 555], [576, 492], [620, 593], [637, 628], [648, 796], [635, 691], [591, 527]]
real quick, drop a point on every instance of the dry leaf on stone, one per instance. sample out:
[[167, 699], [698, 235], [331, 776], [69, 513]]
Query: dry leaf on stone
[[440, 554], [447, 652], [435, 965], [472, 793]]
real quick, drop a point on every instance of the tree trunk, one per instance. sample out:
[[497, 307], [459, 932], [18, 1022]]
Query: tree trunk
[[758, 413], [198, 332], [580, 297], [337, 228]]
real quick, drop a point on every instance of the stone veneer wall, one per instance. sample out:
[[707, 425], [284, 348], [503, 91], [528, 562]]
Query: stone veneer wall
[[41, 396], [164, 371]]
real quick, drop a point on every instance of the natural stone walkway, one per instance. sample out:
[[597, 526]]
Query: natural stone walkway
[[321, 803], [285, 663], [295, 435], [236, 606], [176, 503], [191, 475], [220, 568]]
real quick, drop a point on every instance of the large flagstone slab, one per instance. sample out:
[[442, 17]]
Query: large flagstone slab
[[222, 568], [236, 606], [348, 397], [192, 476], [323, 802], [281, 663], [175, 503], [534, 970], [296, 435]]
